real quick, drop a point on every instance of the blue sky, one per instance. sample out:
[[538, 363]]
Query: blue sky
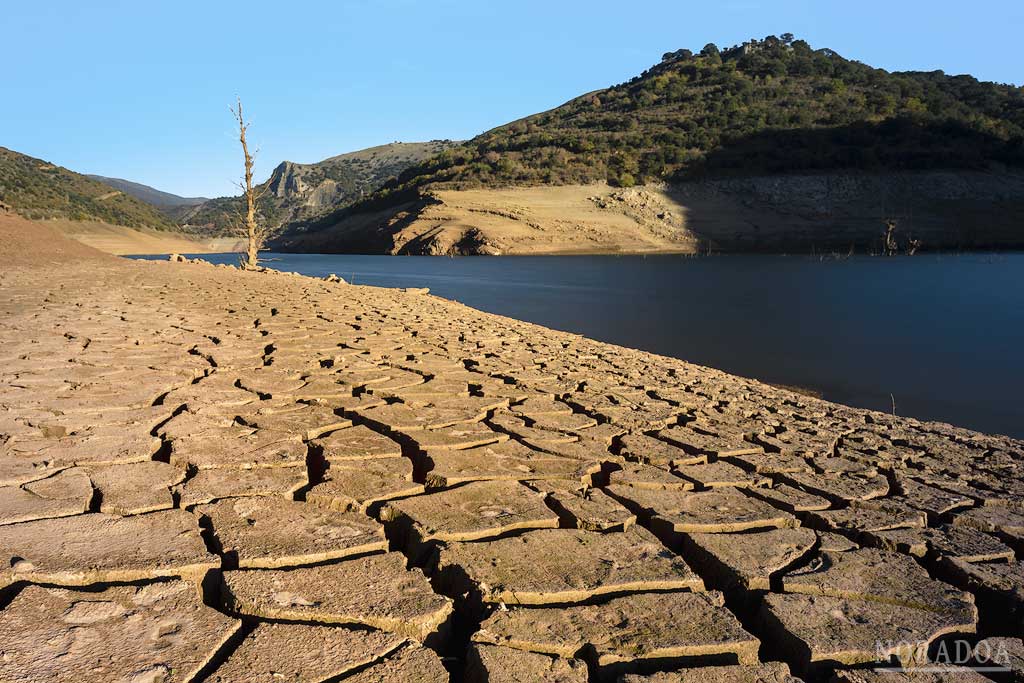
[[141, 89]]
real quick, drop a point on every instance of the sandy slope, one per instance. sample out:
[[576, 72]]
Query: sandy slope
[[551, 220], [116, 239], [572, 219], [29, 243]]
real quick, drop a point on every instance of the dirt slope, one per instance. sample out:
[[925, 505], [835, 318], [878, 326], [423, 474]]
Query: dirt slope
[[28, 243], [117, 239], [575, 219], [801, 213]]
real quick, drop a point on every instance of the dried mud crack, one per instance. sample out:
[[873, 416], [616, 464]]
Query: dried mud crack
[[212, 475]]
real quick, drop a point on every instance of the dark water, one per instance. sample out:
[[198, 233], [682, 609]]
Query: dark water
[[942, 335]]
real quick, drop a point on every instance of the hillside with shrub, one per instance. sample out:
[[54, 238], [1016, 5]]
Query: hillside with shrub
[[37, 190], [771, 106]]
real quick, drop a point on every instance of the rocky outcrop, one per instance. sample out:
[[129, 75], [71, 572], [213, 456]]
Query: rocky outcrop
[[297, 193]]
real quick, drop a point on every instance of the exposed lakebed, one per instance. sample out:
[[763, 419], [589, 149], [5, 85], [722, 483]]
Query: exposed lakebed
[[941, 336]]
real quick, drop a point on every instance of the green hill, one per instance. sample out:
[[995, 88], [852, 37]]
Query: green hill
[[37, 189], [764, 107]]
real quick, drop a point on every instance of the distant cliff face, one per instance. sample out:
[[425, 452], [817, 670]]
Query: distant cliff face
[[286, 180], [306, 189], [299, 192]]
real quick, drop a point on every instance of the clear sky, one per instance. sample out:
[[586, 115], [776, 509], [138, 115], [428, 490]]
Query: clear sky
[[140, 89]]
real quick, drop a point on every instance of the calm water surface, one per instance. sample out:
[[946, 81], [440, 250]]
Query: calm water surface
[[941, 335]]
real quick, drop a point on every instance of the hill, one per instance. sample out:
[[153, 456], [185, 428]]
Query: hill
[[162, 200], [764, 109], [298, 192], [37, 189], [765, 106]]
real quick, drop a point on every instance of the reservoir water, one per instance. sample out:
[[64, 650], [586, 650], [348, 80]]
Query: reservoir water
[[939, 336]]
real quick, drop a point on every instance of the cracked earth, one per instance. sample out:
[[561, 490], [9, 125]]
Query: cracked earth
[[211, 475]]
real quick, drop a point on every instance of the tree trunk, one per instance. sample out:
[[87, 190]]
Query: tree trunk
[[253, 232]]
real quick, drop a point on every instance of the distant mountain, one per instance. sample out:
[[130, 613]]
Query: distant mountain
[[299, 192], [765, 108], [158, 198], [37, 189]]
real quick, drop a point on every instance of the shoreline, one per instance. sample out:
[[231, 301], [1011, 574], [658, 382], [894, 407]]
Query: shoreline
[[628, 301]]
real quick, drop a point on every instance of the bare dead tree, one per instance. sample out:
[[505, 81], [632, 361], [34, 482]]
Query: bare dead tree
[[255, 234], [890, 237]]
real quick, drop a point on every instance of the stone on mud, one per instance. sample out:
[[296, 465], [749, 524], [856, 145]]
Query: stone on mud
[[749, 561], [411, 664], [495, 664], [66, 493], [357, 443], [207, 486], [473, 511], [137, 634], [722, 510], [581, 507], [818, 630], [772, 672], [99, 548], [136, 488], [562, 566], [358, 484], [274, 532], [375, 590], [239, 448], [276, 652], [646, 626]]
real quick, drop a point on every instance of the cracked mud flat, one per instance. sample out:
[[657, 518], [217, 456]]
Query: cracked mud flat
[[210, 475]]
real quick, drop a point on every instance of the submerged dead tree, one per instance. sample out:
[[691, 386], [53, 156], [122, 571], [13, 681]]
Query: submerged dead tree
[[255, 234], [890, 237], [891, 246]]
